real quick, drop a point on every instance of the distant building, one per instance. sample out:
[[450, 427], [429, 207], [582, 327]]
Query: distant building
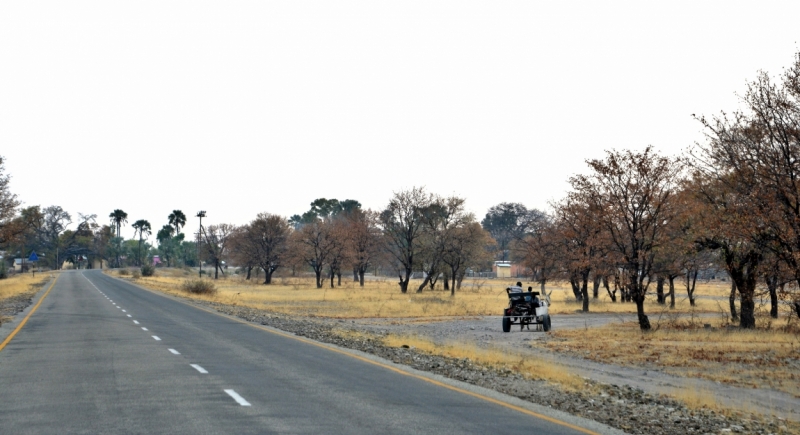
[[502, 269]]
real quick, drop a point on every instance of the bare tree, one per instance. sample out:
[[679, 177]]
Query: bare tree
[[364, 240], [314, 243], [754, 153], [465, 245], [402, 224], [440, 218], [215, 247], [631, 192], [268, 235]]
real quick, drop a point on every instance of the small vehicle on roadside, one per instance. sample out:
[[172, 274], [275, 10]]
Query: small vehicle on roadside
[[525, 309]]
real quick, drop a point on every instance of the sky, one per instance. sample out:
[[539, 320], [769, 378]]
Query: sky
[[241, 107]]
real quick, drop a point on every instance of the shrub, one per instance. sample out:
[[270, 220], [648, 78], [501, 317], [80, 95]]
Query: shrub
[[148, 270], [136, 274], [199, 287], [124, 272]]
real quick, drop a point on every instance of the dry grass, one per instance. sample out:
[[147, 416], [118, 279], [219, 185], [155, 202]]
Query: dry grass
[[540, 368], [21, 284], [753, 359], [382, 298]]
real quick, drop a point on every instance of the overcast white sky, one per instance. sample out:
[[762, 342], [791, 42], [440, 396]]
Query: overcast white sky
[[238, 107]]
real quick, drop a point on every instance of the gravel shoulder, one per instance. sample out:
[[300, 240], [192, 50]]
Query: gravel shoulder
[[486, 332], [612, 395]]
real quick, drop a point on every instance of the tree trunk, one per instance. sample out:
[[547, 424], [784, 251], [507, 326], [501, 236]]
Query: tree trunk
[[585, 291], [361, 277], [249, 269], [644, 322], [748, 308], [333, 275], [732, 300], [638, 293], [612, 295], [691, 280], [660, 290], [318, 274], [356, 269], [576, 288], [596, 288], [772, 285], [339, 278], [424, 283], [268, 275], [404, 282], [671, 291]]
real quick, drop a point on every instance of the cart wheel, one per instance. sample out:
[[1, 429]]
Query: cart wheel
[[546, 322], [506, 323]]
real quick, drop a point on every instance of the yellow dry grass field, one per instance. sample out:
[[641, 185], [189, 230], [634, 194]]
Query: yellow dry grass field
[[761, 358], [382, 298], [20, 285]]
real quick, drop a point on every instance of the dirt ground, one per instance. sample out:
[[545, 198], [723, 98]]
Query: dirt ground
[[485, 331]]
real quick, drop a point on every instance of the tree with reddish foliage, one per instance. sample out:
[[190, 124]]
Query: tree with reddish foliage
[[631, 193]]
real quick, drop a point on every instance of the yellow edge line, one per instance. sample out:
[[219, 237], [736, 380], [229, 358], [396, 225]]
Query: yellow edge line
[[379, 364], [25, 320]]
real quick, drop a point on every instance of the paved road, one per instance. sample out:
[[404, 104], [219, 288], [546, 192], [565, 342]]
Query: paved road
[[103, 356]]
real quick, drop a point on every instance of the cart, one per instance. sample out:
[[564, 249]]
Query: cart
[[525, 309]]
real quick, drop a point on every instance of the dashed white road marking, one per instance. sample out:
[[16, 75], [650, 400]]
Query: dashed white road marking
[[124, 311], [174, 352], [239, 399], [136, 322], [144, 329], [155, 337], [199, 369], [129, 315]]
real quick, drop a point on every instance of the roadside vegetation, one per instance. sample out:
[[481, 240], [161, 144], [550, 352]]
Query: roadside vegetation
[[16, 290], [380, 298]]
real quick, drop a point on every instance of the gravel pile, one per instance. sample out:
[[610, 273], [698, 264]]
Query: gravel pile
[[625, 408]]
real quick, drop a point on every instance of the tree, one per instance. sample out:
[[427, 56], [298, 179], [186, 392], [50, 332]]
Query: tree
[[465, 245], [118, 218], [402, 224], [509, 221], [142, 227], [177, 219], [266, 241], [8, 207], [581, 239], [631, 193], [363, 241], [440, 218], [540, 251], [166, 244], [315, 243], [215, 247], [755, 153], [322, 208]]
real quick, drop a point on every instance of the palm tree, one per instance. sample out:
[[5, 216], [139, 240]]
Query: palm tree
[[142, 226], [118, 218], [177, 219]]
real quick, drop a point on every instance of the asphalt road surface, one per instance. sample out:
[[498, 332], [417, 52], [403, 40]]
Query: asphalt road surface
[[100, 355]]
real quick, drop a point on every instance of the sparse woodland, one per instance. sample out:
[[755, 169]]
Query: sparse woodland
[[634, 225]]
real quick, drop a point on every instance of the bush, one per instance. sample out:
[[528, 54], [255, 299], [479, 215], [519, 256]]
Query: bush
[[136, 274], [199, 287], [148, 270], [124, 272]]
